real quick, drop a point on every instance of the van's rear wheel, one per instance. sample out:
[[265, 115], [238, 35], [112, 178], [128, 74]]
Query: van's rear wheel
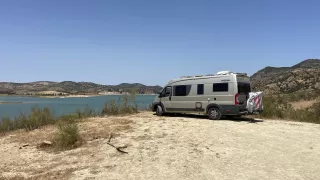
[[214, 113], [159, 111]]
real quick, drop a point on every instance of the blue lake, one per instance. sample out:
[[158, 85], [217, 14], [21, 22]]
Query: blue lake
[[63, 105]]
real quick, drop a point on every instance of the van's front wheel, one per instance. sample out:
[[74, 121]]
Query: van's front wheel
[[159, 111], [214, 113]]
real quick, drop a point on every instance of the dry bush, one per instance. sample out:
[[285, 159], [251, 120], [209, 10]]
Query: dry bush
[[67, 135]]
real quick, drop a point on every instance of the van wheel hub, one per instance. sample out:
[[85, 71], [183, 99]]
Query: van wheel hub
[[214, 113]]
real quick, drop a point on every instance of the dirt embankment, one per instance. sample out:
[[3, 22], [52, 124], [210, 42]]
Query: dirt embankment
[[169, 148]]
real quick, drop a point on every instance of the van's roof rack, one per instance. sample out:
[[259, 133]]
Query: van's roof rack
[[220, 73], [243, 74], [183, 77]]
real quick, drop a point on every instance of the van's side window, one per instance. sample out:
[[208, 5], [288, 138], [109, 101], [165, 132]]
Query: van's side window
[[220, 87], [200, 89], [182, 90], [168, 91]]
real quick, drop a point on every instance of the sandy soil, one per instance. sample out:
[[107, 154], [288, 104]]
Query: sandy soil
[[170, 148]]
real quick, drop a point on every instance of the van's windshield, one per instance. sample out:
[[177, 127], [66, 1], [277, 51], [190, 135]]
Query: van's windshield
[[244, 88]]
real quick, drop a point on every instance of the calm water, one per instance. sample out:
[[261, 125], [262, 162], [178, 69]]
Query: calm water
[[63, 105]]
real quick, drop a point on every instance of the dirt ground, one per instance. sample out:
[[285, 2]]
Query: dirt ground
[[180, 147]]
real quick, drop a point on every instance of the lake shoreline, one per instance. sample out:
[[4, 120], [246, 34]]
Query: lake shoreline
[[12, 106], [10, 102], [73, 96]]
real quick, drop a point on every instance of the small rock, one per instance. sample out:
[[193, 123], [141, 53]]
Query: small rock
[[25, 145], [311, 147], [95, 137], [46, 144], [20, 147], [217, 155], [92, 155]]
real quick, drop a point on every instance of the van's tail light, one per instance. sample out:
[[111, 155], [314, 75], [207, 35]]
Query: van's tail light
[[236, 99]]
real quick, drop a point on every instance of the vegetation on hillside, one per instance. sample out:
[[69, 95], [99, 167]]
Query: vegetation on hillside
[[279, 106], [303, 77], [285, 85]]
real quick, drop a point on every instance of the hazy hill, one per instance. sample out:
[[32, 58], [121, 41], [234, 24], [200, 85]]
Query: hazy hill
[[73, 87], [304, 76]]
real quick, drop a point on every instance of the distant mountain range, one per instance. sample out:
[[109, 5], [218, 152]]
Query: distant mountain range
[[304, 76], [71, 87]]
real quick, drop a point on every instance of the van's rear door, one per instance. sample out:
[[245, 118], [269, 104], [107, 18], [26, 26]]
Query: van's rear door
[[244, 88]]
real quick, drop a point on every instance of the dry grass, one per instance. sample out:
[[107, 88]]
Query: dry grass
[[303, 104], [276, 107], [90, 129], [51, 164]]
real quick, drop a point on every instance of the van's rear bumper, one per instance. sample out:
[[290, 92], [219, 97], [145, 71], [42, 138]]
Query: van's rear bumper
[[234, 110]]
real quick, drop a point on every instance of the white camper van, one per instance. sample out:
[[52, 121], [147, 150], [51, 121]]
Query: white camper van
[[222, 94]]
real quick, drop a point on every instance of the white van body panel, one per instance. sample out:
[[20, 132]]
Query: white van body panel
[[226, 90]]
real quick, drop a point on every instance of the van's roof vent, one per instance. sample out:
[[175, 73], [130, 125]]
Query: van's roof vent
[[224, 72]]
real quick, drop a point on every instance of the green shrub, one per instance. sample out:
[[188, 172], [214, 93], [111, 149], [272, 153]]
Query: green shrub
[[273, 107], [38, 117], [6, 125], [128, 106], [69, 118], [86, 112], [110, 108], [67, 135], [23, 122]]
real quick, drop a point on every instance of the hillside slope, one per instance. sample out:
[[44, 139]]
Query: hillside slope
[[304, 76]]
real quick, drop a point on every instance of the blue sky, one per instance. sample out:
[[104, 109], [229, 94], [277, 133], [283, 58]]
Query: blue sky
[[150, 42]]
